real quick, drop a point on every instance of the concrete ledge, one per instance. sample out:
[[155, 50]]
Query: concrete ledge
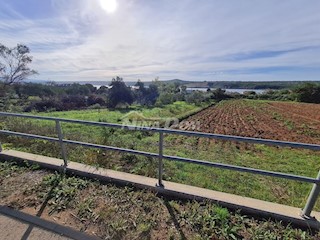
[[250, 206], [46, 225]]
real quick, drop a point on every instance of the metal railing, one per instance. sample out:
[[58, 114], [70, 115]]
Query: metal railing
[[306, 212]]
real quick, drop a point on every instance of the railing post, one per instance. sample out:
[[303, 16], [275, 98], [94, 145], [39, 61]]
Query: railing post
[[160, 164], [62, 146], [312, 199]]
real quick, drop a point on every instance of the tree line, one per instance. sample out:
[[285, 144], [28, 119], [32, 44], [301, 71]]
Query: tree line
[[62, 97]]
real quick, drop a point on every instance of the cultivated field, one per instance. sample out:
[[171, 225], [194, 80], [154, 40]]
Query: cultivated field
[[299, 122]]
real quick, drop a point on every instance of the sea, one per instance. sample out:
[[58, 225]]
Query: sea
[[229, 90]]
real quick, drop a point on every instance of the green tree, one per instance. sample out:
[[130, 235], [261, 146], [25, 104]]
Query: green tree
[[219, 94], [76, 88], [152, 94], [119, 93], [102, 90], [140, 93], [308, 92], [196, 97], [165, 98]]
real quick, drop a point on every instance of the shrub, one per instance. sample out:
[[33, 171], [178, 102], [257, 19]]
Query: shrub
[[308, 92], [45, 105]]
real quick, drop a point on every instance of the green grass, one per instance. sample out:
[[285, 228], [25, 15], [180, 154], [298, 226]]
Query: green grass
[[299, 162], [176, 110]]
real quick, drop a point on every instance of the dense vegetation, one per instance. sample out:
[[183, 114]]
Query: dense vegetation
[[54, 97], [279, 85], [305, 92], [257, 85]]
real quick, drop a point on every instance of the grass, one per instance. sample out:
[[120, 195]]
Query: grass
[[177, 110], [299, 162], [285, 160], [113, 212]]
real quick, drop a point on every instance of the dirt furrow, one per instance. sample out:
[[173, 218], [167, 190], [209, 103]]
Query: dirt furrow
[[240, 117]]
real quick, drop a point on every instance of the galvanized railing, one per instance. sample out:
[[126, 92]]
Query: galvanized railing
[[306, 212]]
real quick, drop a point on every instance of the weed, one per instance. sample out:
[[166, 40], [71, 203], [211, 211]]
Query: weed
[[7, 169], [61, 190], [86, 210], [290, 125], [276, 116], [210, 221]]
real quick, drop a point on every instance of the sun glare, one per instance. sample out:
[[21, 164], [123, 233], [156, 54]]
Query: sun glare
[[109, 5]]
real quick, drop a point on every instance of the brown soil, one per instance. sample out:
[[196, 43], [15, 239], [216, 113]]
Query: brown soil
[[274, 120]]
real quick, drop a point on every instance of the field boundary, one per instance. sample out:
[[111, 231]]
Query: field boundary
[[186, 116], [247, 205]]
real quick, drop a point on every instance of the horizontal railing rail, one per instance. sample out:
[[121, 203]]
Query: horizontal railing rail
[[173, 131], [316, 181]]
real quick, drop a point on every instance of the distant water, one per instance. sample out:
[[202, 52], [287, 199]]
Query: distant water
[[229, 90], [241, 91]]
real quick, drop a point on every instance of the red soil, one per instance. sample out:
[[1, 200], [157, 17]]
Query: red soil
[[298, 122]]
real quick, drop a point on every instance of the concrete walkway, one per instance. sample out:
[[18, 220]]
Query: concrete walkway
[[13, 229], [18, 225], [246, 205]]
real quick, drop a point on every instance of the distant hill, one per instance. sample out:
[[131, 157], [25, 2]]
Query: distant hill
[[206, 84]]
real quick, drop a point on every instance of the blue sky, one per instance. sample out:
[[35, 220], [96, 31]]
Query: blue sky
[[76, 40]]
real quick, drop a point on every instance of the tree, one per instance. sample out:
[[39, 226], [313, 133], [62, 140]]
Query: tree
[[219, 94], [14, 64], [119, 93], [165, 98], [308, 92], [152, 94], [195, 97], [140, 92], [79, 89], [102, 90]]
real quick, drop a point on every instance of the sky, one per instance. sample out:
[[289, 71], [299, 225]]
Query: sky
[[213, 40]]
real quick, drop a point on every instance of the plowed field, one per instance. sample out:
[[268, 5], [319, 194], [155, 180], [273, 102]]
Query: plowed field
[[299, 122]]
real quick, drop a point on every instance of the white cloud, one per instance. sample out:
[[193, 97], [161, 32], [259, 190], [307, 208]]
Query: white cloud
[[170, 39]]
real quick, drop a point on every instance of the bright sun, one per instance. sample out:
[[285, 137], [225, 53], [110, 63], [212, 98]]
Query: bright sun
[[109, 5]]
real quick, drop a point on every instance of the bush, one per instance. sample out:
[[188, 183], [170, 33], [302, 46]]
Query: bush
[[94, 99], [95, 106], [165, 98], [308, 92], [45, 105], [66, 103], [74, 102]]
